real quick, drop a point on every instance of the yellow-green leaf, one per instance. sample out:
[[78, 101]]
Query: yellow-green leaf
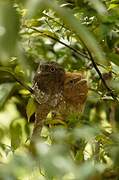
[[31, 107]]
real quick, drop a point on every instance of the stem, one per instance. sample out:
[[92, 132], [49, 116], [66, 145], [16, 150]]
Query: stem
[[61, 42], [101, 77], [19, 80]]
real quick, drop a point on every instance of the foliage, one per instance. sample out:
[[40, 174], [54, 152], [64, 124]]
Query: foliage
[[81, 36]]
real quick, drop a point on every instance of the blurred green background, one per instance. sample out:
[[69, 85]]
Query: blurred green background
[[72, 33]]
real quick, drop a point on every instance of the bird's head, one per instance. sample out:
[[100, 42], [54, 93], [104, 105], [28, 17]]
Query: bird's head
[[49, 76], [75, 87]]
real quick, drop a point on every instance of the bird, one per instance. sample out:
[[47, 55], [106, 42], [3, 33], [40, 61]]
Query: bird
[[48, 84], [75, 90]]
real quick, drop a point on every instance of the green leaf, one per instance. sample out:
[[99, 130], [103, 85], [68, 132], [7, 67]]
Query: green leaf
[[31, 107], [98, 6], [49, 33], [35, 7], [114, 58], [16, 135], [9, 28], [5, 91]]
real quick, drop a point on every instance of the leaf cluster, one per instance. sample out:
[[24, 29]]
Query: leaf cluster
[[81, 36]]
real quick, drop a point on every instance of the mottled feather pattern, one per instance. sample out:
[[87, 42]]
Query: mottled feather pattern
[[58, 91], [48, 91]]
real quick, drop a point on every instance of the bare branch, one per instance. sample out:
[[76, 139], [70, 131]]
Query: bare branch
[[18, 80], [101, 77]]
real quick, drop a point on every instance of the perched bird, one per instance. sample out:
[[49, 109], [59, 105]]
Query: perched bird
[[75, 92], [58, 91], [48, 85]]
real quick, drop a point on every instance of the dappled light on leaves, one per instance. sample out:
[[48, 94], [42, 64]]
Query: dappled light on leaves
[[71, 101]]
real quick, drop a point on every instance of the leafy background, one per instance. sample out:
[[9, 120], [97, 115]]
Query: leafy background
[[78, 34]]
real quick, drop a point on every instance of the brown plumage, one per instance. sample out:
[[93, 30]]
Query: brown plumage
[[74, 94], [48, 91], [75, 90], [57, 90]]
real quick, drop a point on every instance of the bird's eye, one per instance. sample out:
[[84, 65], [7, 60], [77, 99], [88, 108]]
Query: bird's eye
[[52, 69], [71, 81]]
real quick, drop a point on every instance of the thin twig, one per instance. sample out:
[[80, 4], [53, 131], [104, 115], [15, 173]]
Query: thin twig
[[61, 42], [49, 26], [18, 80], [23, 84], [62, 25], [106, 68], [101, 77]]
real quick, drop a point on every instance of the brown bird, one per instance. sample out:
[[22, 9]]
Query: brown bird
[[74, 93], [48, 85], [75, 90]]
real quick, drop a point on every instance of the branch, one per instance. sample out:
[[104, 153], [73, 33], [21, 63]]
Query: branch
[[101, 77], [18, 80], [62, 25], [23, 84], [61, 42]]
